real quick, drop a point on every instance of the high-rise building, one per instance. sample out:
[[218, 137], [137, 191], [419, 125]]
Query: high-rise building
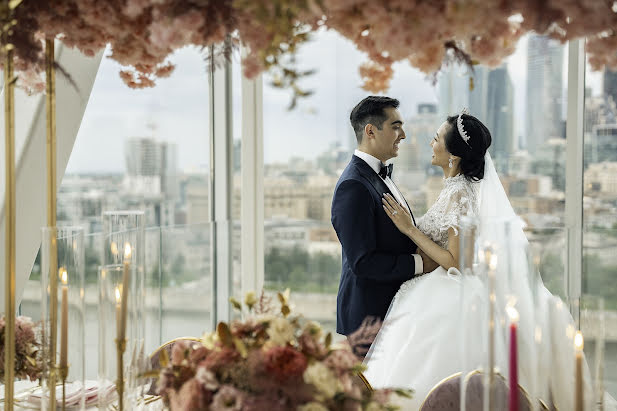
[[419, 130], [600, 132], [478, 97], [143, 156], [151, 181], [500, 116], [602, 146], [544, 91], [491, 101], [147, 157], [610, 85], [197, 200], [453, 91], [169, 170], [415, 151]]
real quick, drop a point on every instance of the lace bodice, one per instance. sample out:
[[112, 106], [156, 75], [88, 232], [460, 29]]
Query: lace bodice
[[458, 198]]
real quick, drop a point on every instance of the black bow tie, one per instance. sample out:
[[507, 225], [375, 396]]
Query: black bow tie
[[386, 170]]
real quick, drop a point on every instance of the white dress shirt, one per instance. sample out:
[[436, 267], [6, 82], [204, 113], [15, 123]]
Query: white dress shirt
[[375, 164]]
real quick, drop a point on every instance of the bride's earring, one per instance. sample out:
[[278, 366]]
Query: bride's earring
[[450, 163]]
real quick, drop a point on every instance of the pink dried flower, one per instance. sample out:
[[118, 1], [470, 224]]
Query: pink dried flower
[[191, 397], [430, 58], [134, 8], [311, 346], [285, 363], [251, 327], [207, 379], [218, 359], [198, 353], [341, 361], [264, 402], [376, 77], [27, 363], [164, 70], [227, 398], [180, 352], [360, 340]]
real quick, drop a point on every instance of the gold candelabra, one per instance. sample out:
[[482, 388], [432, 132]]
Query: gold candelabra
[[120, 347], [50, 110], [63, 371], [10, 194]]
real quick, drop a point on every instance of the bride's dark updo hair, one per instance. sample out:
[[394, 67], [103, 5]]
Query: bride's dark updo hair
[[472, 155]]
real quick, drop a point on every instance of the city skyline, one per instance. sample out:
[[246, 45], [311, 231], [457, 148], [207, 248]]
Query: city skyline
[[179, 107]]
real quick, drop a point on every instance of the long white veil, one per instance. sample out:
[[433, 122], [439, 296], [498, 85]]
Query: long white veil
[[545, 326]]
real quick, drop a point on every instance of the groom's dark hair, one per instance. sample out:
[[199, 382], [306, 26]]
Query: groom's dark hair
[[370, 111]]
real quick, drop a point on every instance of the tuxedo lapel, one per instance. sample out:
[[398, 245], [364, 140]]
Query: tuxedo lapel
[[373, 178], [409, 208], [377, 182]]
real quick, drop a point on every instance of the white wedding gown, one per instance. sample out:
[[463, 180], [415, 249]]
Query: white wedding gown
[[431, 332]]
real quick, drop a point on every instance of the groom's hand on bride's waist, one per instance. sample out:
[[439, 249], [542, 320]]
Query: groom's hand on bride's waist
[[428, 264]]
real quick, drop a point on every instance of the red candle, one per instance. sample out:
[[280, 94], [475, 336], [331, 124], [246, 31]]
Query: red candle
[[513, 368]]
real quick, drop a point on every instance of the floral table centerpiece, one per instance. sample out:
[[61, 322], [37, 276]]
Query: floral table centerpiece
[[268, 361], [27, 348]]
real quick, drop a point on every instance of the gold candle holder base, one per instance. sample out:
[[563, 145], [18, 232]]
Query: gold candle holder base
[[120, 348], [63, 372]]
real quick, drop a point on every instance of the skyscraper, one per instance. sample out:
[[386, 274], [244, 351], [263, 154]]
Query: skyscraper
[[169, 170], [544, 91], [500, 115], [478, 97], [610, 85], [453, 90], [152, 178], [415, 151], [143, 157]]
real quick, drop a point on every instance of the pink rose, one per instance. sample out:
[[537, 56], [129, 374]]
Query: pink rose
[[284, 362]]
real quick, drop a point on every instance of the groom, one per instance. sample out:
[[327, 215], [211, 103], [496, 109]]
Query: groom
[[377, 257]]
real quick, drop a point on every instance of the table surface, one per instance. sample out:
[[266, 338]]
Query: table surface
[[20, 386]]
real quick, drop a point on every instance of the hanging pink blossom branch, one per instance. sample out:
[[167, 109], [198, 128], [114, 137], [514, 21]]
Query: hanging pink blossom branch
[[143, 33]]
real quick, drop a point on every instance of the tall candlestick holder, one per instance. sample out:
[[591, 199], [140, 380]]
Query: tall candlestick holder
[[62, 318], [593, 327], [121, 288], [496, 316], [63, 372], [120, 348]]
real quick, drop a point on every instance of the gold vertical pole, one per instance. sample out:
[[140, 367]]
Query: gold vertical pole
[[9, 133], [120, 348], [50, 74], [50, 110]]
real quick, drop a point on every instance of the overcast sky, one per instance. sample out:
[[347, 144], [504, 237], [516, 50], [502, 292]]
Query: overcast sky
[[178, 106]]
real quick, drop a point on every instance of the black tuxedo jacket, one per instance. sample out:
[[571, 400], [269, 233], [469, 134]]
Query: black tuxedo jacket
[[376, 255]]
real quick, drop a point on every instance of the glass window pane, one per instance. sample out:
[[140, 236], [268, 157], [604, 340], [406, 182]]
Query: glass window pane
[[186, 273], [600, 218], [145, 150], [307, 148], [236, 200]]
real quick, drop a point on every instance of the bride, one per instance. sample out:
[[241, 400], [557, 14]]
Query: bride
[[421, 341]]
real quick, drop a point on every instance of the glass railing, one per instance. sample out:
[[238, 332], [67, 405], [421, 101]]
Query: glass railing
[[179, 282], [178, 287], [599, 274], [302, 256], [548, 252], [600, 280]]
